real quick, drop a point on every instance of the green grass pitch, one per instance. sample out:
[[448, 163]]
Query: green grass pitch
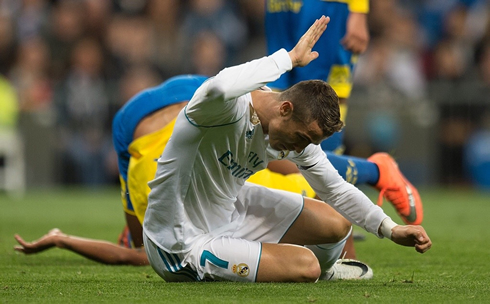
[[455, 270]]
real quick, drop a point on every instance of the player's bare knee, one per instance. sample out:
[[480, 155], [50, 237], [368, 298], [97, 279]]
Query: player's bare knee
[[309, 267], [347, 226], [342, 229]]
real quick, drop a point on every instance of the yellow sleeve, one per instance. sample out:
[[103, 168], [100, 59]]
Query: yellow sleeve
[[358, 6]]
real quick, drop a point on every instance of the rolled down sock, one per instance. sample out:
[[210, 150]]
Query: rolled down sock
[[328, 254]]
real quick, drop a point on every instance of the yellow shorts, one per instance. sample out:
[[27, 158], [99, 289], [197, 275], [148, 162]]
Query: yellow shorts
[[145, 152]]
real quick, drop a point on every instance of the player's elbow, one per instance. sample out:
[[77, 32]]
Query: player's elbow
[[215, 90]]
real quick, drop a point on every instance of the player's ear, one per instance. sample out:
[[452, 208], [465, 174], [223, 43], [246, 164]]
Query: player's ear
[[286, 108]]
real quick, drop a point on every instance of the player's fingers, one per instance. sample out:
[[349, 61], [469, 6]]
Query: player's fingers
[[27, 247], [20, 240], [420, 236], [322, 22], [316, 36], [313, 28], [423, 248], [422, 241], [347, 44], [351, 45], [314, 55], [318, 28], [325, 19], [19, 249]]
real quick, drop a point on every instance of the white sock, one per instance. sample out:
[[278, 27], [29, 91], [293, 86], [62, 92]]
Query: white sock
[[328, 254]]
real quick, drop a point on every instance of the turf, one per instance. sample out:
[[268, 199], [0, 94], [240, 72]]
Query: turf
[[455, 270]]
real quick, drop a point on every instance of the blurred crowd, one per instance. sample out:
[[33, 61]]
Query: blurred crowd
[[76, 62]]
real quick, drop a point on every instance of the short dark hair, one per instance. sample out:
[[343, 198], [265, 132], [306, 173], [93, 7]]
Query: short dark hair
[[315, 100]]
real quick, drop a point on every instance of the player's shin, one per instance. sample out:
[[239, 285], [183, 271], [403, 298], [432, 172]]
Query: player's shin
[[328, 254]]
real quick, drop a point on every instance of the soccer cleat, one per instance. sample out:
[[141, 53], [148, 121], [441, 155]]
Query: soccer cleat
[[397, 189], [347, 269]]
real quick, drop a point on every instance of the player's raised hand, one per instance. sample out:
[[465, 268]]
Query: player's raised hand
[[302, 53], [412, 236]]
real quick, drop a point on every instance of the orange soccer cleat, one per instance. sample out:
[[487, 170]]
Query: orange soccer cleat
[[397, 189]]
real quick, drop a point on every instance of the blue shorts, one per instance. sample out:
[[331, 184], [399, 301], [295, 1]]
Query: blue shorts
[[287, 21]]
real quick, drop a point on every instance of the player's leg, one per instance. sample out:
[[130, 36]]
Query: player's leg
[[355, 170], [293, 182], [318, 217], [252, 252], [382, 172], [302, 264], [326, 232], [170, 267], [134, 238], [318, 223], [236, 259], [292, 222], [225, 258], [282, 222], [131, 234]]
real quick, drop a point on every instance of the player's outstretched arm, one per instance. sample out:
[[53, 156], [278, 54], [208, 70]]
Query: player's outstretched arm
[[96, 250], [302, 53], [412, 236]]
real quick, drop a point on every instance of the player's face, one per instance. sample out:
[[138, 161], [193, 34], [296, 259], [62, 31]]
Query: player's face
[[292, 135]]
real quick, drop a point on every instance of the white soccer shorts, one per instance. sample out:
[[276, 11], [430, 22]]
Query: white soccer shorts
[[265, 215]]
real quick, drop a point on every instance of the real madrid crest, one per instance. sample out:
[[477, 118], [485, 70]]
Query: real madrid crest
[[241, 269], [283, 154]]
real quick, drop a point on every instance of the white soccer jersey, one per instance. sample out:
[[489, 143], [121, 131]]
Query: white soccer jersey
[[215, 147]]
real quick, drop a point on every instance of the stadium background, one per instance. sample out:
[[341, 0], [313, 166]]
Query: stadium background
[[421, 90]]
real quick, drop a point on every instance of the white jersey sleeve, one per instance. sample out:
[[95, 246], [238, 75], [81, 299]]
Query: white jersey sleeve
[[349, 201], [213, 101]]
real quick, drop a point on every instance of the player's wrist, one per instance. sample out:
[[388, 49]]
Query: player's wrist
[[386, 227], [294, 62], [60, 240]]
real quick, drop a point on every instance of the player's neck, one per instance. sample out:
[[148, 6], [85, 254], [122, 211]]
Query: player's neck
[[264, 103]]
